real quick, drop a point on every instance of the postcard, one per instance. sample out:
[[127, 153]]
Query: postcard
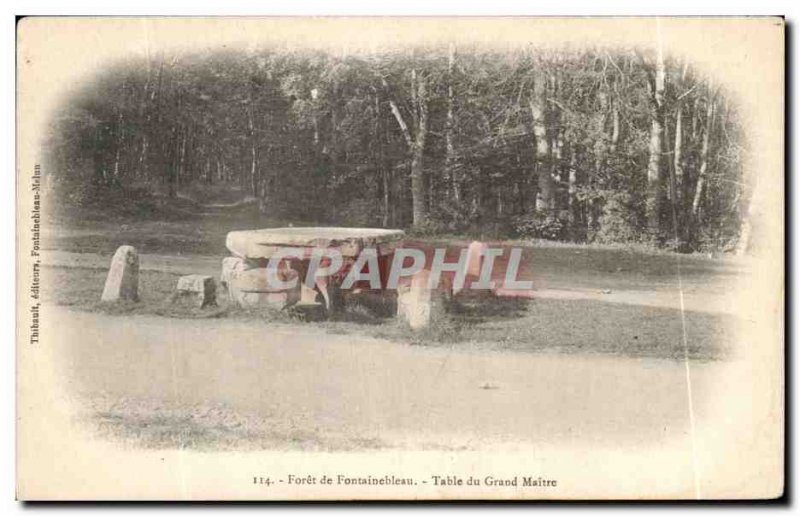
[[400, 258]]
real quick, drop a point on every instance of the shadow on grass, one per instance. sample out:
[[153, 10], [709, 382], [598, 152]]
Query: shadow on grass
[[484, 306]]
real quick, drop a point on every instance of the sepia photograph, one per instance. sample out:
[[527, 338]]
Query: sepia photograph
[[399, 258]]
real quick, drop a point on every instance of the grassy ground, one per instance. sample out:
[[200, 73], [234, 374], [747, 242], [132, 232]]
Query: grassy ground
[[202, 231], [207, 427], [571, 326], [210, 384], [579, 328], [189, 228], [199, 231]]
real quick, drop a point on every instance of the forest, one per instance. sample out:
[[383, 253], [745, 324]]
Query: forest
[[587, 145]]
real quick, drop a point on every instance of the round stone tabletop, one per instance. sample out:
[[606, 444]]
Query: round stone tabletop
[[263, 243]]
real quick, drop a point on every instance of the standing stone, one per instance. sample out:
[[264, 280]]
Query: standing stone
[[418, 304], [308, 295], [201, 288], [475, 258], [231, 266], [474, 263], [122, 282]]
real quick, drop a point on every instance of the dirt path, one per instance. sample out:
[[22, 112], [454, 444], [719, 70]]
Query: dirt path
[[224, 383], [693, 300]]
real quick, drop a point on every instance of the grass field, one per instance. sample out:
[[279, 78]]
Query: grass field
[[585, 326], [198, 230], [558, 337], [562, 325]]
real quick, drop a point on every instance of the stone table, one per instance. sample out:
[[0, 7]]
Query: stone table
[[256, 247]]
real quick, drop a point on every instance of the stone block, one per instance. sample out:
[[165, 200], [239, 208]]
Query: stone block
[[122, 282], [230, 266], [250, 288], [475, 258], [475, 252], [420, 305], [201, 288], [273, 300], [308, 295]]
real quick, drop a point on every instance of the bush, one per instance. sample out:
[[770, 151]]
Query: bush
[[358, 213], [540, 225], [617, 223], [429, 227]]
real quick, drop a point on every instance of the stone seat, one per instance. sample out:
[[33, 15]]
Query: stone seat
[[201, 288]]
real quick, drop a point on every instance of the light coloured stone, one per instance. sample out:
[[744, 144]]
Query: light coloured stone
[[475, 257], [231, 265], [122, 282], [202, 288], [474, 263], [273, 300], [308, 295], [418, 304], [263, 243], [250, 288], [255, 279]]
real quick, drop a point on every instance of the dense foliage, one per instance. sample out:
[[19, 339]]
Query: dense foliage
[[583, 146]]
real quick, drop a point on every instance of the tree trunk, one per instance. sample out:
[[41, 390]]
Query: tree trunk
[[172, 151], [450, 170], [572, 191], [416, 146], [655, 182], [418, 200], [253, 179], [655, 187], [180, 169], [678, 151], [386, 196], [612, 149], [677, 180], [545, 197], [379, 153], [701, 175], [120, 140], [746, 230]]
